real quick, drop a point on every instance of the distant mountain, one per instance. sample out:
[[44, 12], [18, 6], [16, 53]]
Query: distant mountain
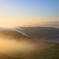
[[41, 33]]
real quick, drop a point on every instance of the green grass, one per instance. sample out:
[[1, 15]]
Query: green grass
[[46, 53], [51, 52]]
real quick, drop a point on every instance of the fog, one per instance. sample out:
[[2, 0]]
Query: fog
[[13, 47]]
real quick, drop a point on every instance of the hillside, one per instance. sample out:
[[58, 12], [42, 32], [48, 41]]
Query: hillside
[[46, 53], [41, 33], [51, 52], [15, 43], [13, 34]]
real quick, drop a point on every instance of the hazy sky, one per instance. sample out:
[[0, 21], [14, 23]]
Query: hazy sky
[[28, 12]]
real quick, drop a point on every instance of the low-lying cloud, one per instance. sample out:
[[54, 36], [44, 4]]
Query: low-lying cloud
[[51, 24], [13, 47]]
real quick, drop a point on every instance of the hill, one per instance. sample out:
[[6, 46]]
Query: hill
[[16, 44], [51, 52], [41, 33], [13, 34], [46, 53]]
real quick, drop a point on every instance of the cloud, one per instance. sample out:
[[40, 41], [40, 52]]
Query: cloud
[[51, 24], [44, 23]]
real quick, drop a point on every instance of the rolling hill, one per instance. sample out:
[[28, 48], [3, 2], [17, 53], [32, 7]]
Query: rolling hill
[[15, 43], [51, 52], [12, 33], [41, 33], [20, 44]]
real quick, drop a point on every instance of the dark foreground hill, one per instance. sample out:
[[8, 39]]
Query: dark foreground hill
[[46, 53], [51, 52], [48, 33]]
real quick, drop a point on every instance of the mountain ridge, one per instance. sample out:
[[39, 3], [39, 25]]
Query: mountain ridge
[[48, 33]]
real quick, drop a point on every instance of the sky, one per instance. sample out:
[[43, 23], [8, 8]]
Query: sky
[[29, 13]]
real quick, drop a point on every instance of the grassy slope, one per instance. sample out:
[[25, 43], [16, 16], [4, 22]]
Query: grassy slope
[[41, 32], [47, 53]]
